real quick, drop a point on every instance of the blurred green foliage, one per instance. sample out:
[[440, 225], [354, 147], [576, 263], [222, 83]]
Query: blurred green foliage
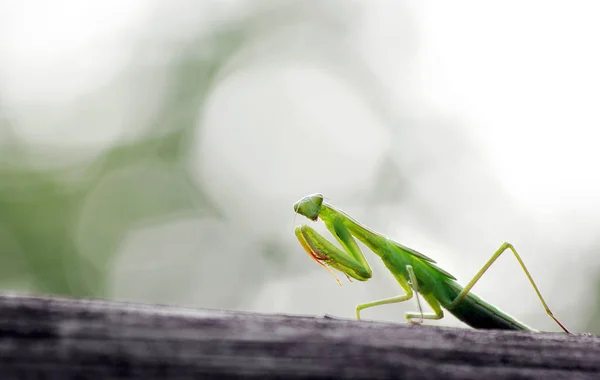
[[132, 183], [40, 213]]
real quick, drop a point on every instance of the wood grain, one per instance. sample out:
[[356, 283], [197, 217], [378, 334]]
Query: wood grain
[[59, 338]]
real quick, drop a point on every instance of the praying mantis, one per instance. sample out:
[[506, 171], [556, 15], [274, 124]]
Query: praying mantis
[[415, 272]]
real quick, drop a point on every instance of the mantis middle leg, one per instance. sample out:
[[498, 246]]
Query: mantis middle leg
[[435, 305]]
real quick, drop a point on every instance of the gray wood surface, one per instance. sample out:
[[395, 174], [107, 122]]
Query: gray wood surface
[[58, 338]]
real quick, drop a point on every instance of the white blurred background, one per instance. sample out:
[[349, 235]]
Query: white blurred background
[[151, 151]]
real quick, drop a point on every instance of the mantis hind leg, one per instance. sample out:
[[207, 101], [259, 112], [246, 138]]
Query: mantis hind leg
[[506, 246]]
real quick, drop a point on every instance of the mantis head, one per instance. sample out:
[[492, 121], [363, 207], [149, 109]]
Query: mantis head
[[309, 206], [320, 249]]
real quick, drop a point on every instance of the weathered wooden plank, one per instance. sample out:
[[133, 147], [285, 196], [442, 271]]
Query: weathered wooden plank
[[58, 338]]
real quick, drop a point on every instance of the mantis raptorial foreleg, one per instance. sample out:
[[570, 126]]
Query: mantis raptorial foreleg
[[488, 264]]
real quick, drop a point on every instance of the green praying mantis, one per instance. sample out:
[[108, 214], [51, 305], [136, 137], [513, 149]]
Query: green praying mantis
[[415, 272]]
